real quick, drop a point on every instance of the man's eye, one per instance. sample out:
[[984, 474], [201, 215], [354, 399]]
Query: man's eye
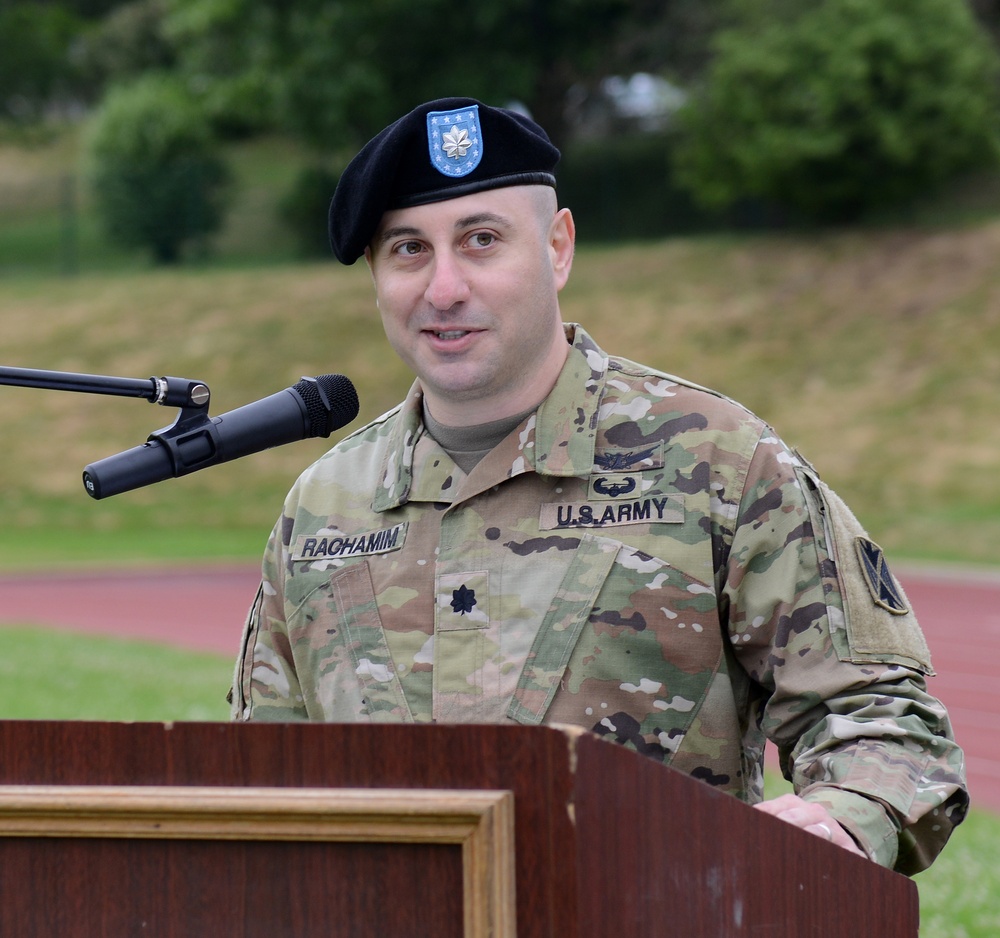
[[409, 248], [483, 239]]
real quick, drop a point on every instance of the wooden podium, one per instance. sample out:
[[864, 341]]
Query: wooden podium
[[211, 830]]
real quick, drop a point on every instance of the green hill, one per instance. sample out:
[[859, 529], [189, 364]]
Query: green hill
[[876, 354]]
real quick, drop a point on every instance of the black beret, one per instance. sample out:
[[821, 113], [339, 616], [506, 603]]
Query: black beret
[[440, 150]]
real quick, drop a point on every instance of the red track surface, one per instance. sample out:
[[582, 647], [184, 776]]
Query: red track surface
[[204, 609]]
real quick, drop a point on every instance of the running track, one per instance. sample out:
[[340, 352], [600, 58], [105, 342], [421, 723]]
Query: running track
[[204, 610]]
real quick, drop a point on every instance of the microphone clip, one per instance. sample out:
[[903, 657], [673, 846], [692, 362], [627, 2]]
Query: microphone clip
[[181, 392], [192, 440]]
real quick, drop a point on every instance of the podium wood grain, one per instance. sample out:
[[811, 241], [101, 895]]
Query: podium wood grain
[[585, 839]]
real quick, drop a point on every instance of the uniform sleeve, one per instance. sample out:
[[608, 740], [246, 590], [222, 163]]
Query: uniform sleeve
[[833, 648], [265, 685]]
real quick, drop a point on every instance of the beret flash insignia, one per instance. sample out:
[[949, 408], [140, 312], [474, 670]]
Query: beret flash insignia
[[455, 140]]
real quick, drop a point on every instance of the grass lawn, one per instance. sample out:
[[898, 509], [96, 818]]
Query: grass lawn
[[52, 675], [960, 893]]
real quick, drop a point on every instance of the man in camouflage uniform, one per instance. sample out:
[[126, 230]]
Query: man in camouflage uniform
[[546, 533]]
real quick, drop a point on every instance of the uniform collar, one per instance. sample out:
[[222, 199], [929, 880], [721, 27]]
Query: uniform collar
[[557, 440]]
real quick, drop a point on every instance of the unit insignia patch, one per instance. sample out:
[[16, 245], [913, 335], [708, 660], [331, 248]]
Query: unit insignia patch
[[881, 583]]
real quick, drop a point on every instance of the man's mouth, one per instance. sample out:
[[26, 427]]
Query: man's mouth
[[451, 334]]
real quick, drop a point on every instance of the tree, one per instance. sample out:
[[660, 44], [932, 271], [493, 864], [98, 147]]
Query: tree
[[126, 42], [669, 37], [336, 72], [34, 63], [157, 178], [853, 105], [988, 13]]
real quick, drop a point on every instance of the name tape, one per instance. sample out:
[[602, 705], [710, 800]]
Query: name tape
[[332, 546]]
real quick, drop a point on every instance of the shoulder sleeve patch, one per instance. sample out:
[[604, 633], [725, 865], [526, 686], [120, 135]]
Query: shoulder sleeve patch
[[879, 623], [885, 591]]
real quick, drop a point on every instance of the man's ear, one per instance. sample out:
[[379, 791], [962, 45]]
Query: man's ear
[[562, 240]]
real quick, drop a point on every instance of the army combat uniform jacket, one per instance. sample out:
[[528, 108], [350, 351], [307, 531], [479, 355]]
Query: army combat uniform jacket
[[640, 557]]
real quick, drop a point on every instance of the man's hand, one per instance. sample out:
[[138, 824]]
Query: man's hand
[[810, 817]]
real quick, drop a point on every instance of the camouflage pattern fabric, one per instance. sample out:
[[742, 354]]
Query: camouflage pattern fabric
[[640, 557]]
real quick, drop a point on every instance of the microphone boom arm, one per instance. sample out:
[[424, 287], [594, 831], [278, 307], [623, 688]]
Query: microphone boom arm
[[171, 392]]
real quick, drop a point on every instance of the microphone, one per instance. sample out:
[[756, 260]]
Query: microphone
[[313, 407]]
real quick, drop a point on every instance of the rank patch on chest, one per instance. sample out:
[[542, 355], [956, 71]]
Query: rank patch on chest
[[656, 509], [463, 601], [338, 546]]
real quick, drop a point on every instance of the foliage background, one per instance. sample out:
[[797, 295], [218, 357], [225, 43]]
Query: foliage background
[[797, 110], [847, 107]]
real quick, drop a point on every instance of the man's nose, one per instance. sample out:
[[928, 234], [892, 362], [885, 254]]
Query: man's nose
[[448, 284]]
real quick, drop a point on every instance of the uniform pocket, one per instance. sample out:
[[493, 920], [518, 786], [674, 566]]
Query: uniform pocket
[[560, 630], [357, 611], [870, 616]]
